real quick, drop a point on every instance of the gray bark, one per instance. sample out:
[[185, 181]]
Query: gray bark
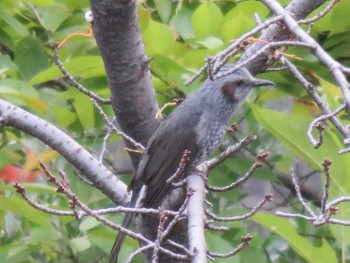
[[119, 39]]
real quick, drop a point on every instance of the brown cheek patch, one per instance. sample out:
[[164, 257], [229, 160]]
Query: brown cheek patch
[[228, 90]]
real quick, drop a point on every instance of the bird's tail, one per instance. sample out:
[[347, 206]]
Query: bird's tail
[[113, 257], [139, 190]]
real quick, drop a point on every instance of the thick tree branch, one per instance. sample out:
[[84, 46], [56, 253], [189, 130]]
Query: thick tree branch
[[196, 215], [334, 67], [132, 95], [83, 161], [300, 9]]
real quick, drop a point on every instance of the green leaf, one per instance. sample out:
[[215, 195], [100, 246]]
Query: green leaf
[[85, 111], [21, 93], [88, 224], [31, 57], [323, 24], [7, 63], [144, 17], [40, 2], [183, 24], [15, 252], [82, 67], [103, 238], [6, 158], [292, 131], [300, 244], [63, 117], [169, 70], [80, 244], [21, 207], [34, 188], [195, 58], [159, 38], [14, 24], [52, 20], [340, 19], [333, 94], [43, 234], [164, 9], [206, 20], [211, 42], [241, 19], [336, 45], [228, 29]]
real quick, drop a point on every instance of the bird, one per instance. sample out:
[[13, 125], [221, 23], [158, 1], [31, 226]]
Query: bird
[[197, 126]]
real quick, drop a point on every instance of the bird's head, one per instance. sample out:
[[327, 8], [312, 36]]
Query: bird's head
[[232, 88], [235, 87]]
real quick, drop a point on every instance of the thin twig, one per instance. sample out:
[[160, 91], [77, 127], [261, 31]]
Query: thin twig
[[223, 56], [178, 216], [216, 228], [343, 199], [137, 252], [334, 67], [115, 129], [181, 168], [230, 151], [326, 163], [175, 102], [181, 247], [163, 217], [298, 193], [260, 159], [261, 52], [316, 121], [276, 69], [293, 215], [63, 187], [267, 198], [72, 80], [311, 91], [219, 62], [22, 191], [105, 142], [119, 209], [320, 14], [245, 242]]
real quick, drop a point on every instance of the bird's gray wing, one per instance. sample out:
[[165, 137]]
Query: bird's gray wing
[[164, 153], [158, 163]]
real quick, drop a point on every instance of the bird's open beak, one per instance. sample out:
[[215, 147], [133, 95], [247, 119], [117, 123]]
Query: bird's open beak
[[263, 82]]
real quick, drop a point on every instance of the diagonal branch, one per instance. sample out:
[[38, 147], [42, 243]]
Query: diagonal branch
[[83, 161], [321, 54], [300, 10]]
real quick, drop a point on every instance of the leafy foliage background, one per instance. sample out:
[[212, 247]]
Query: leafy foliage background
[[178, 36]]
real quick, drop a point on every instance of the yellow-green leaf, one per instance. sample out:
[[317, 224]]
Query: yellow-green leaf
[[83, 67], [206, 20], [285, 229]]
